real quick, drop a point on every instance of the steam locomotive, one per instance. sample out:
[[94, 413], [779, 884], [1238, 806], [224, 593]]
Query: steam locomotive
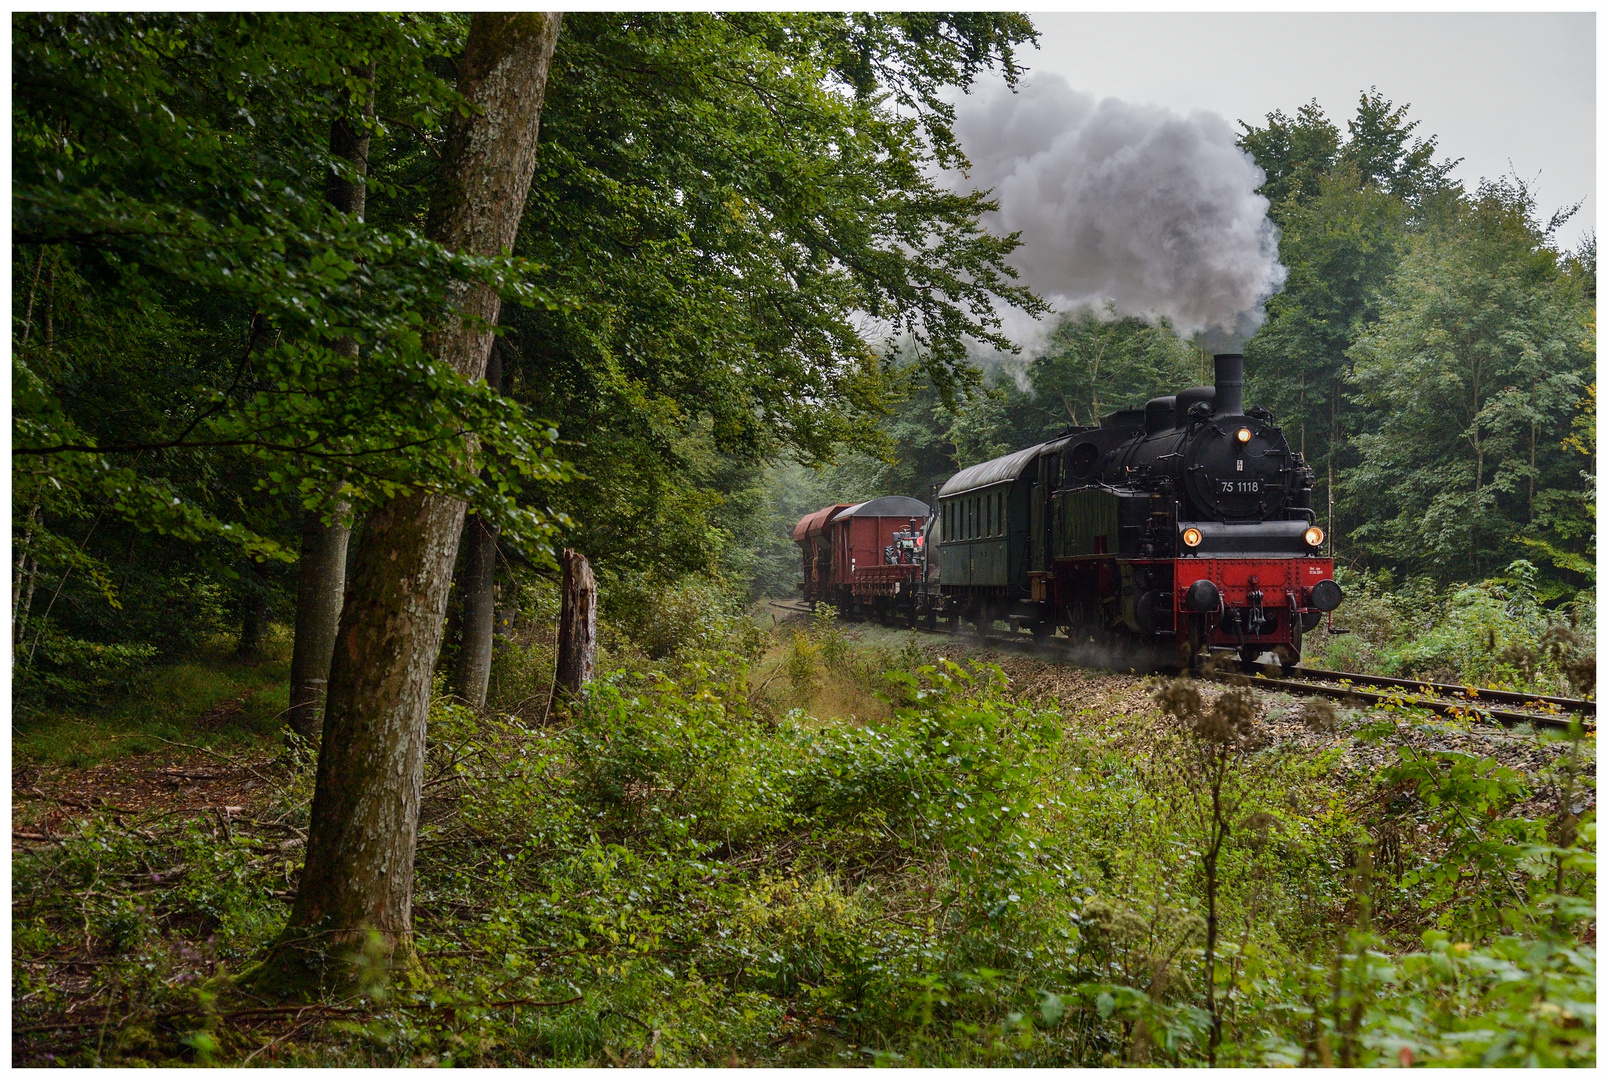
[[1186, 522]]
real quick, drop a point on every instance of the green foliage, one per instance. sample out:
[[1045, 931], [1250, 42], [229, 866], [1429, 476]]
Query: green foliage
[[742, 204], [1294, 153], [240, 281], [1497, 632], [1481, 348], [677, 620], [1098, 361]]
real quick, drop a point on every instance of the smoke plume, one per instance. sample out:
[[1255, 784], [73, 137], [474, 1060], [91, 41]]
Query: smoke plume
[[1134, 204]]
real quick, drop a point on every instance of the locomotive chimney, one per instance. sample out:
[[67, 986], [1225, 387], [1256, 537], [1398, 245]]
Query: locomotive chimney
[[1230, 391]]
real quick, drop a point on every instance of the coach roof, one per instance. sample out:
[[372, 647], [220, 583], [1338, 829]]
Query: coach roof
[[990, 473]]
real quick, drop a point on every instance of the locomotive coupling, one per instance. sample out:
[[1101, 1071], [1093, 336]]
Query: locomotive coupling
[[1203, 596]]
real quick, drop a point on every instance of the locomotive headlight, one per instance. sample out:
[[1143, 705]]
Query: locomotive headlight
[[1243, 435], [1192, 538], [1314, 537]]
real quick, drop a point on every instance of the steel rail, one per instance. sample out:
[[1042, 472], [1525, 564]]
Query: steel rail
[[1463, 708], [1474, 694]]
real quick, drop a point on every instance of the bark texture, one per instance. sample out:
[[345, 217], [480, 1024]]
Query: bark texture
[[321, 567], [357, 888], [577, 627], [320, 588], [477, 587]]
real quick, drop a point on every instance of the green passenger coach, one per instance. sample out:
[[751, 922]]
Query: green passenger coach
[[985, 522]]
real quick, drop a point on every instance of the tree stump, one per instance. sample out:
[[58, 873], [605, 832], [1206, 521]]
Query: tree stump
[[577, 627]]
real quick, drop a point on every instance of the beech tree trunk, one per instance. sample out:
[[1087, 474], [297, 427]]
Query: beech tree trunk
[[577, 627], [253, 613], [321, 567], [477, 587], [356, 890], [478, 582], [320, 588]]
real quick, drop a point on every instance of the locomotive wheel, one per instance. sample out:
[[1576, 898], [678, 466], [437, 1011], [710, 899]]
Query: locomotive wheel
[[1082, 626]]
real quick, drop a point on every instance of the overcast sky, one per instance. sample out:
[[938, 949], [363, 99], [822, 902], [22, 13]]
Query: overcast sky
[[1493, 88]]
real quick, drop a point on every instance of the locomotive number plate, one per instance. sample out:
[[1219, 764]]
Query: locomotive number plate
[[1239, 487]]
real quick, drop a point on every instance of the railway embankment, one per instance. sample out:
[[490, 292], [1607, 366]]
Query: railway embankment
[[1357, 737]]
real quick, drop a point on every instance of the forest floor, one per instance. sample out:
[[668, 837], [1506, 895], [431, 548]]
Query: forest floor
[[149, 860]]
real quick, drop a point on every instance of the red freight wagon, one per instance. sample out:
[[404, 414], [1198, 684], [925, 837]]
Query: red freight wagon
[[855, 553], [815, 546]]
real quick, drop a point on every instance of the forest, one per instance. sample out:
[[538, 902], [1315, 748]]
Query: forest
[[334, 333]]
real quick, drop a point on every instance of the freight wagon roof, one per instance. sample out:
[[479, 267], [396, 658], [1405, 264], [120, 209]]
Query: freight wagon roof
[[1008, 467], [811, 524], [894, 506]]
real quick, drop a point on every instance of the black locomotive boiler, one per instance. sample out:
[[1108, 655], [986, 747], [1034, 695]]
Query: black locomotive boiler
[[1186, 521]]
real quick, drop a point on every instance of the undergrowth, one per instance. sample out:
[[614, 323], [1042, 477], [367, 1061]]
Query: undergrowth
[[213, 699], [1497, 632], [695, 870]]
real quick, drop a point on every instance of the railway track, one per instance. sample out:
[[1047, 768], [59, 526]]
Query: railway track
[[1475, 702], [1506, 707]]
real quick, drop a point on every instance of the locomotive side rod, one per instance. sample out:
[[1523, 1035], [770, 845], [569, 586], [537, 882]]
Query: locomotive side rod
[[1451, 690]]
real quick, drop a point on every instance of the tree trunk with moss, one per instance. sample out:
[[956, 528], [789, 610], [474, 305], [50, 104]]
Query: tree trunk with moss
[[354, 902]]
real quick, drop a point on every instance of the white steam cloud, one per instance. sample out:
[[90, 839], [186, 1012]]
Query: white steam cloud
[[1134, 204]]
